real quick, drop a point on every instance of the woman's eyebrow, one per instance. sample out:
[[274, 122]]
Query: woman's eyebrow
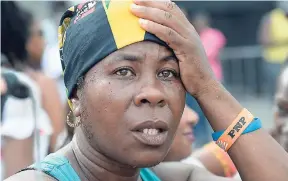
[[135, 57], [169, 58]]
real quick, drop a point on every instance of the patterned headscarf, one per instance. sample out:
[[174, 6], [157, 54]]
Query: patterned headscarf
[[90, 31]]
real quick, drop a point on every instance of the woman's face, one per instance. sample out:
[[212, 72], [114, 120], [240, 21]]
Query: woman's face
[[131, 104], [281, 113], [182, 145], [35, 44]]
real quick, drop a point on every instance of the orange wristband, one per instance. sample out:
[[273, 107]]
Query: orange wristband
[[233, 132], [224, 159]]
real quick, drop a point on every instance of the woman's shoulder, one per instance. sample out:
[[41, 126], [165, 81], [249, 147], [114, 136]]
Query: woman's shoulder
[[31, 175], [168, 171], [42, 79]]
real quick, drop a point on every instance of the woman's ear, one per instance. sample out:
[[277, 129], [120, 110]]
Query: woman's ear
[[76, 106]]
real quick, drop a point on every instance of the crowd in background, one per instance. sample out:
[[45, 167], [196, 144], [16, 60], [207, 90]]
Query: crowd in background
[[34, 124]]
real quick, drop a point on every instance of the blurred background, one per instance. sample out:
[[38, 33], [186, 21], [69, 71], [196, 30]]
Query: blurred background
[[246, 43]]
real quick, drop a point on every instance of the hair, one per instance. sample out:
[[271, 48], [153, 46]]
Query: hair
[[80, 83], [202, 15], [15, 30]]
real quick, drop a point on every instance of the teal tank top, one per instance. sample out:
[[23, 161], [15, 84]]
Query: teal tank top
[[59, 167]]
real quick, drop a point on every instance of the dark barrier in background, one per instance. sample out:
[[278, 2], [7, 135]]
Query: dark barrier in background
[[242, 68]]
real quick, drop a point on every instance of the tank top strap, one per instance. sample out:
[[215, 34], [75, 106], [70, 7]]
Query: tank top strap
[[58, 167], [147, 175]]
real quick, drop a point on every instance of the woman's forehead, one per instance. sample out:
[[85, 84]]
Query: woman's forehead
[[140, 51], [145, 46]]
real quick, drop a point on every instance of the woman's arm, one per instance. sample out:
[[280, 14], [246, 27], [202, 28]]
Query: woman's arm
[[30, 175], [215, 160], [257, 155], [17, 154], [53, 106], [168, 171]]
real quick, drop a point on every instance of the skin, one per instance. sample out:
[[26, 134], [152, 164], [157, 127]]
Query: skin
[[51, 100], [51, 103], [280, 131], [10, 152], [3, 86], [181, 147], [210, 94], [35, 45], [16, 160], [142, 90], [254, 154]]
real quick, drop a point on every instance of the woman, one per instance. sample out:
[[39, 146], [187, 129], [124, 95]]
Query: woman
[[210, 157], [18, 124], [181, 147], [213, 41], [51, 100], [127, 96], [280, 130]]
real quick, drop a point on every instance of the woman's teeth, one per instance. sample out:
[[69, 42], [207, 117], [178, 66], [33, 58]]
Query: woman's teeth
[[151, 131]]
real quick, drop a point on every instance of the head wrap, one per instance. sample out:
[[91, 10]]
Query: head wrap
[[90, 31]]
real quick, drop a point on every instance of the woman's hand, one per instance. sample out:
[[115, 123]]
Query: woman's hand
[[3, 86], [165, 20]]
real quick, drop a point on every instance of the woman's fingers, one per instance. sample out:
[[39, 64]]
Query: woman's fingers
[[165, 5], [159, 16], [166, 34]]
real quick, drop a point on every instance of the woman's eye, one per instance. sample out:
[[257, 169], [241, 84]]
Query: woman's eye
[[166, 74], [282, 111], [125, 72]]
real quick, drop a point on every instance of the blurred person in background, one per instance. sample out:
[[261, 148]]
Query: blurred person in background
[[35, 44], [51, 100], [50, 64], [22, 115], [181, 147], [213, 41], [280, 130], [273, 36], [210, 157]]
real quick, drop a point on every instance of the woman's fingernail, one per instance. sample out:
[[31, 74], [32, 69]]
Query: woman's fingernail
[[143, 21], [134, 6]]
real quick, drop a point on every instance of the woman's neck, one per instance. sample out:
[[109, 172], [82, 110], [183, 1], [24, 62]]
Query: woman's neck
[[32, 64], [95, 166]]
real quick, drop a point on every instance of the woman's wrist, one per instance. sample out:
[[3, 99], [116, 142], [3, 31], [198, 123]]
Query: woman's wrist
[[209, 87], [218, 105]]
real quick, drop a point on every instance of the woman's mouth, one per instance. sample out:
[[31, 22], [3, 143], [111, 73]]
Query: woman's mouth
[[151, 133], [190, 136]]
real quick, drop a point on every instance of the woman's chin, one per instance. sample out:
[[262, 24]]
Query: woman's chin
[[147, 160], [148, 163]]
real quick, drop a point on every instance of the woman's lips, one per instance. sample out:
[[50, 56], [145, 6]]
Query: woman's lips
[[156, 138], [152, 133], [190, 136]]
